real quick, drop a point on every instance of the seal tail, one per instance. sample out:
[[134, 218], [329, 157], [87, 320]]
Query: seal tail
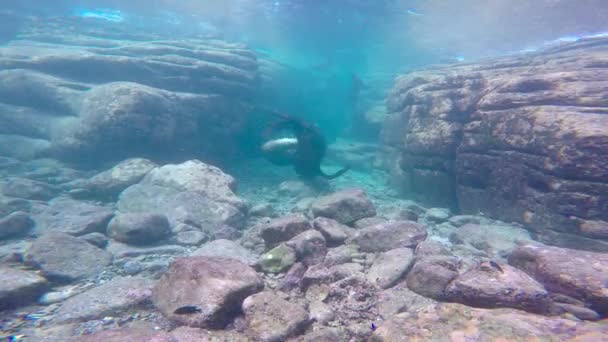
[[337, 174]]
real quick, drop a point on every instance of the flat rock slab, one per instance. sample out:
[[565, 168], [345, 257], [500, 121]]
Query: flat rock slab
[[390, 266], [110, 299], [457, 322], [494, 240], [271, 318], [578, 274], [227, 249], [64, 258], [214, 286], [72, 217], [488, 287], [389, 235], [19, 287], [346, 206]]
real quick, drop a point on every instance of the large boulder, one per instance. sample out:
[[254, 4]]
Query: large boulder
[[64, 258], [92, 97], [578, 274], [193, 193], [520, 138], [214, 287]]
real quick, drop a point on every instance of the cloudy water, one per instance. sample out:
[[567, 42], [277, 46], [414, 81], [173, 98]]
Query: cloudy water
[[293, 170]]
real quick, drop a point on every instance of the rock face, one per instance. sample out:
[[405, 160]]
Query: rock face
[[192, 192], [62, 257], [19, 287], [81, 96], [519, 138], [578, 274], [216, 286]]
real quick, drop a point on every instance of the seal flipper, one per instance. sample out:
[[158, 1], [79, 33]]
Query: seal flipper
[[334, 175]]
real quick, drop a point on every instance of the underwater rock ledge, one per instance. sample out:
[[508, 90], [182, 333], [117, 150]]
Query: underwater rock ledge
[[521, 138]]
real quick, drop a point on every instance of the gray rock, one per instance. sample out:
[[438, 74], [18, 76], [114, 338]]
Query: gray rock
[[72, 217], [190, 238], [430, 276], [187, 334], [578, 274], [494, 240], [368, 221], [28, 189], [461, 220], [390, 266], [273, 319], [334, 232], [111, 182], [578, 311], [227, 249], [408, 215], [321, 312], [129, 333], [132, 267], [96, 239], [293, 277], [310, 247], [345, 206], [15, 224], [110, 299], [192, 192], [215, 285], [65, 258], [139, 228], [284, 228], [296, 189], [19, 288], [437, 215], [399, 299], [383, 237], [277, 259], [343, 254], [121, 250], [488, 287], [11, 204]]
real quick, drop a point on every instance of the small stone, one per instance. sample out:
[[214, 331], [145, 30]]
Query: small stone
[[437, 215], [139, 228], [277, 259], [335, 233], [96, 239], [284, 228], [17, 223], [345, 206], [389, 235], [408, 215], [132, 267], [28, 189], [430, 248]]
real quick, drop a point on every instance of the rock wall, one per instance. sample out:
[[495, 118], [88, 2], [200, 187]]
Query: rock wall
[[74, 89], [522, 138]]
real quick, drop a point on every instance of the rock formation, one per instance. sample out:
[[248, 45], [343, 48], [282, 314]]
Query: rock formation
[[522, 138]]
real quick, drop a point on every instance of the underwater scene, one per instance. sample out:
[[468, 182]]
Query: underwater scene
[[303, 171]]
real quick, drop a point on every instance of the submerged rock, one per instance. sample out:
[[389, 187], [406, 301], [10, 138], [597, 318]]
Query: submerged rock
[[284, 228], [334, 232], [494, 240], [310, 247], [389, 235], [487, 286], [214, 286], [193, 192], [390, 266], [578, 274], [64, 258], [346, 206], [19, 288], [139, 228], [15, 224], [227, 249], [137, 333], [28, 189], [110, 299], [73, 217], [431, 275], [277, 259], [271, 318]]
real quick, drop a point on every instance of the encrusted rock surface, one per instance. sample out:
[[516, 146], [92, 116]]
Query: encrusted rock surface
[[520, 138]]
